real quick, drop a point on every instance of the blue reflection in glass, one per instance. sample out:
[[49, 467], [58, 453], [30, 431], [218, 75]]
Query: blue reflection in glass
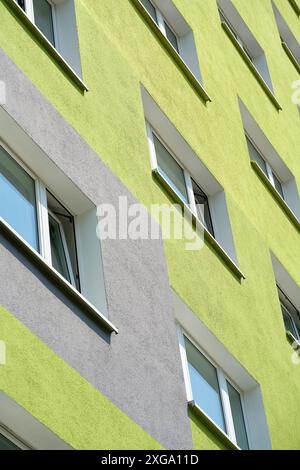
[[17, 199], [205, 385]]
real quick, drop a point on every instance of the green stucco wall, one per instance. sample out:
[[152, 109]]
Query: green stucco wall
[[118, 52], [55, 394]]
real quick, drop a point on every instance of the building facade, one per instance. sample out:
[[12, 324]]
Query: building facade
[[111, 338]]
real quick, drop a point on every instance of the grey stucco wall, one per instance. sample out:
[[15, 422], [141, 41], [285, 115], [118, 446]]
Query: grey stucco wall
[[139, 369]]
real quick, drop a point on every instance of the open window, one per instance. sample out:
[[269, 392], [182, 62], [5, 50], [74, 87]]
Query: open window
[[62, 240], [180, 180], [215, 394], [61, 229], [256, 156], [56, 20], [38, 217]]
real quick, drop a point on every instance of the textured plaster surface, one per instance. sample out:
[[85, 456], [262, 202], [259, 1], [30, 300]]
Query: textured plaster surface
[[59, 397], [140, 369]]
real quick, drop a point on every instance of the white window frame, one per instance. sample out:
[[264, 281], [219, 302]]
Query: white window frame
[[167, 12], [289, 289], [24, 430], [42, 211], [270, 170], [191, 203], [65, 246], [293, 321], [222, 241], [223, 389]]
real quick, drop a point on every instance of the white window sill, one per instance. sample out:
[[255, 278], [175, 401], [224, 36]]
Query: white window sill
[[293, 218], [214, 428], [252, 67], [57, 278], [68, 70], [168, 46], [207, 235]]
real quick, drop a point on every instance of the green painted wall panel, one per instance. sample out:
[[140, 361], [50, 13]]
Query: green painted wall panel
[[59, 397]]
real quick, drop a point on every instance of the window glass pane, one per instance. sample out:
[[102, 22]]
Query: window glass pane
[[255, 155], [170, 168], [278, 185], [67, 260], [288, 323], [43, 18], [172, 37], [21, 3], [17, 199], [202, 207], [59, 261], [6, 444], [205, 385], [238, 417], [150, 9], [290, 314]]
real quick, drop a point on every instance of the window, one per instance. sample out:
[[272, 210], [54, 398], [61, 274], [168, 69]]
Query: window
[[219, 390], [41, 13], [162, 23], [181, 182], [182, 172], [56, 20], [289, 299], [291, 316], [62, 240], [38, 217], [265, 157], [267, 169], [244, 39], [202, 205], [237, 37], [288, 40], [215, 395], [167, 20]]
